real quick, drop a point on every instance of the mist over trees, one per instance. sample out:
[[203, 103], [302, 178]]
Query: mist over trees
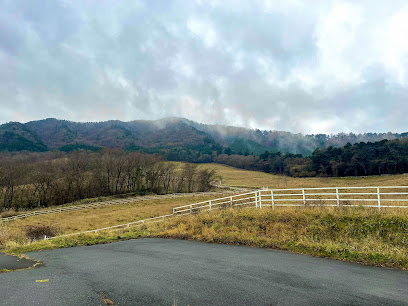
[[177, 137], [361, 159], [79, 166], [43, 179]]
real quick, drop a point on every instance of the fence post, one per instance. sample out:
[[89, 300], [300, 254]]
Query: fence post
[[209, 203], [191, 209], [379, 198], [273, 200], [231, 201], [304, 196], [260, 198], [173, 211], [337, 196], [256, 199]]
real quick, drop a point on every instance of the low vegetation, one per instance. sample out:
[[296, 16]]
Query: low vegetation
[[358, 235], [23, 231], [39, 231]]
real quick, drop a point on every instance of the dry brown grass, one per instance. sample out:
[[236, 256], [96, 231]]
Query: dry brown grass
[[353, 234], [93, 218], [8, 213], [244, 178]]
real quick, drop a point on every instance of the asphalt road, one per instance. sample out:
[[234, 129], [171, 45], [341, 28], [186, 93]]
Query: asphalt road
[[13, 262], [174, 272]]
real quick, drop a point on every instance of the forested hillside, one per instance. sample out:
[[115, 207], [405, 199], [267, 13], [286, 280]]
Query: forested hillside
[[361, 159], [286, 142], [175, 138]]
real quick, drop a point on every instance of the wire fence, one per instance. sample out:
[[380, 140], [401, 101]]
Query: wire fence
[[378, 197]]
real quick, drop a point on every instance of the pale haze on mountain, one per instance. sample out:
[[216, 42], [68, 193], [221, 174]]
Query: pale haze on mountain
[[321, 67]]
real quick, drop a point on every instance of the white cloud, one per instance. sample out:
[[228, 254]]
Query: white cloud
[[328, 67], [204, 30], [394, 45]]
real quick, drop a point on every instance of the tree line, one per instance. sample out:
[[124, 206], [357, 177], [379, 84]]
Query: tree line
[[30, 180], [360, 159]]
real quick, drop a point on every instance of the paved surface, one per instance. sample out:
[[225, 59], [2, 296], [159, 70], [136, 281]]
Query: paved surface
[[13, 263], [173, 272]]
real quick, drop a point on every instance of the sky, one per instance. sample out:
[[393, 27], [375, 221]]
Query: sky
[[299, 66]]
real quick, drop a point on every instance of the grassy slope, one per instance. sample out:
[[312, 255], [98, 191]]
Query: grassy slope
[[87, 219], [358, 235], [13, 212], [244, 178]]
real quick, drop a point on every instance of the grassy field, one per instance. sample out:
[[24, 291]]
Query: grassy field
[[87, 219], [244, 178], [358, 235]]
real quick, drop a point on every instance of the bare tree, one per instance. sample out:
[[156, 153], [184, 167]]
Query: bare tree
[[205, 178], [189, 172]]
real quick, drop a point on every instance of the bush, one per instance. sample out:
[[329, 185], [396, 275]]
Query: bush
[[35, 232]]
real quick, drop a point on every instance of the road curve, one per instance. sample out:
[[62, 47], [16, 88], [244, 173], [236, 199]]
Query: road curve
[[175, 272]]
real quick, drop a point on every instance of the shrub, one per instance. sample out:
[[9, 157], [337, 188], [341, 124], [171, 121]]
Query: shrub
[[38, 231]]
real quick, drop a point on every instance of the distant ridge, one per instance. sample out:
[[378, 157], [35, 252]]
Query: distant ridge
[[173, 133]]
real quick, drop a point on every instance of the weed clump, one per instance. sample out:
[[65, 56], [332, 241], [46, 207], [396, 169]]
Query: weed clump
[[39, 231]]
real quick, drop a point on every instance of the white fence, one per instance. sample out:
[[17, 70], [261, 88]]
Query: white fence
[[378, 197], [103, 203], [373, 197]]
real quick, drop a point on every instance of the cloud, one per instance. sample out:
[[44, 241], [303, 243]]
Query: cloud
[[328, 67]]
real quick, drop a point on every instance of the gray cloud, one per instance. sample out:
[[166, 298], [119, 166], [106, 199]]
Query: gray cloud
[[331, 67]]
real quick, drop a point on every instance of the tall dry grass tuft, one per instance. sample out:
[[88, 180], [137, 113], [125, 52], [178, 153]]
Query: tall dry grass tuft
[[8, 213], [4, 234], [8, 235]]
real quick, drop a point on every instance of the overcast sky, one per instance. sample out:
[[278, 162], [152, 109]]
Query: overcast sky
[[301, 66]]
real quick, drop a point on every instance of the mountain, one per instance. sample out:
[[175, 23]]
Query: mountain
[[117, 134], [247, 146], [281, 141], [171, 136], [15, 136]]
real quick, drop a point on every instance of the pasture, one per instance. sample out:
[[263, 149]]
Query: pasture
[[234, 177]]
